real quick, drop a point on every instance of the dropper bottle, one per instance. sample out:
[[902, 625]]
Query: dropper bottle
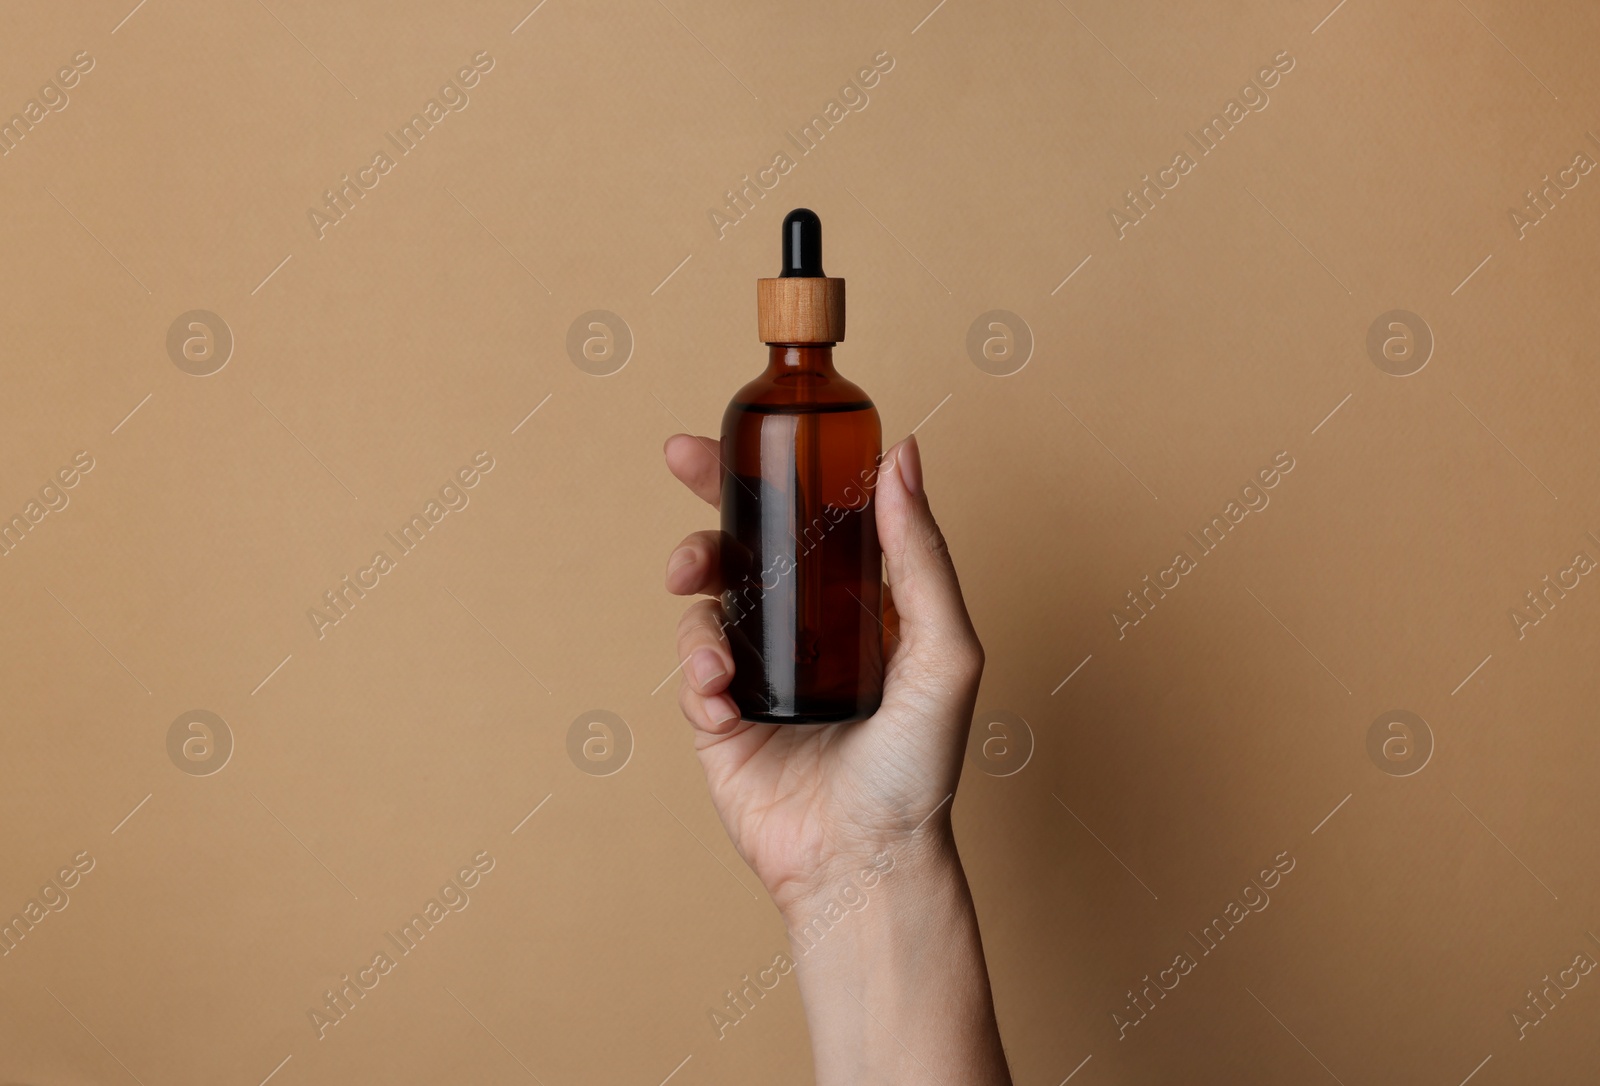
[[801, 564]]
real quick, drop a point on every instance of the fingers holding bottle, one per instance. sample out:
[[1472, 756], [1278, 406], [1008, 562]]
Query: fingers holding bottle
[[707, 669], [934, 626], [697, 464], [694, 567]]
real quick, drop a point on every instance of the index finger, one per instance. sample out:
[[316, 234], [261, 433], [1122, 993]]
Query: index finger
[[697, 462]]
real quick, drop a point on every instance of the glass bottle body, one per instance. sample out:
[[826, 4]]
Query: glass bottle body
[[801, 564]]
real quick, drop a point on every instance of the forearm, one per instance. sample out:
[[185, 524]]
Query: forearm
[[895, 988]]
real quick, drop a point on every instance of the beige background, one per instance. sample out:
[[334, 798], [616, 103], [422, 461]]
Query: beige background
[[1228, 727]]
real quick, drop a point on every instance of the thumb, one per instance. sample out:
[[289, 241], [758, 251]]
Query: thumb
[[922, 579]]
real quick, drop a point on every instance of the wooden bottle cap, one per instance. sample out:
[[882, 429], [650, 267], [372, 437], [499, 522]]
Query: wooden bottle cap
[[799, 309]]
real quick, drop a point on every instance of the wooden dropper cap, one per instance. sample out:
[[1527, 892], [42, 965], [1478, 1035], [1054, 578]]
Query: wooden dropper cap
[[802, 305]]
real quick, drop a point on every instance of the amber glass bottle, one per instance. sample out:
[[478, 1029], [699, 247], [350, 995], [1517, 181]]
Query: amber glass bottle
[[801, 565]]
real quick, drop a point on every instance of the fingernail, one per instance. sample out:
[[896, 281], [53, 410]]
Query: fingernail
[[680, 558], [705, 666], [720, 710], [910, 464]]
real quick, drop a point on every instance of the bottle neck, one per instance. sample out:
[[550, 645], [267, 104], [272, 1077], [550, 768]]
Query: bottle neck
[[791, 358]]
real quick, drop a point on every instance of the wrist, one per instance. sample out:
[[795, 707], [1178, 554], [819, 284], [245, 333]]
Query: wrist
[[864, 895], [892, 974]]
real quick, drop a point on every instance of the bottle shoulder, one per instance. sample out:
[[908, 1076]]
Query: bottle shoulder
[[801, 391]]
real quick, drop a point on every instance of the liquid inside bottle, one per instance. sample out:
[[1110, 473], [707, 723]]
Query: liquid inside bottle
[[801, 564]]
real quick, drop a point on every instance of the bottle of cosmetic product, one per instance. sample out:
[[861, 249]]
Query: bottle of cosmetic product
[[801, 565]]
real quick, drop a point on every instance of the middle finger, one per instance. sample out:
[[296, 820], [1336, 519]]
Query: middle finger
[[696, 565]]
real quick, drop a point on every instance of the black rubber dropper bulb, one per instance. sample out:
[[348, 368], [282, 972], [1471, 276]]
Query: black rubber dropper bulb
[[802, 245]]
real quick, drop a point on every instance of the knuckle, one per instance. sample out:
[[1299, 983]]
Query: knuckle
[[695, 619], [933, 540], [686, 703], [701, 624]]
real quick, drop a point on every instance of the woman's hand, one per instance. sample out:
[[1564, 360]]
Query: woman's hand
[[808, 806], [893, 981]]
